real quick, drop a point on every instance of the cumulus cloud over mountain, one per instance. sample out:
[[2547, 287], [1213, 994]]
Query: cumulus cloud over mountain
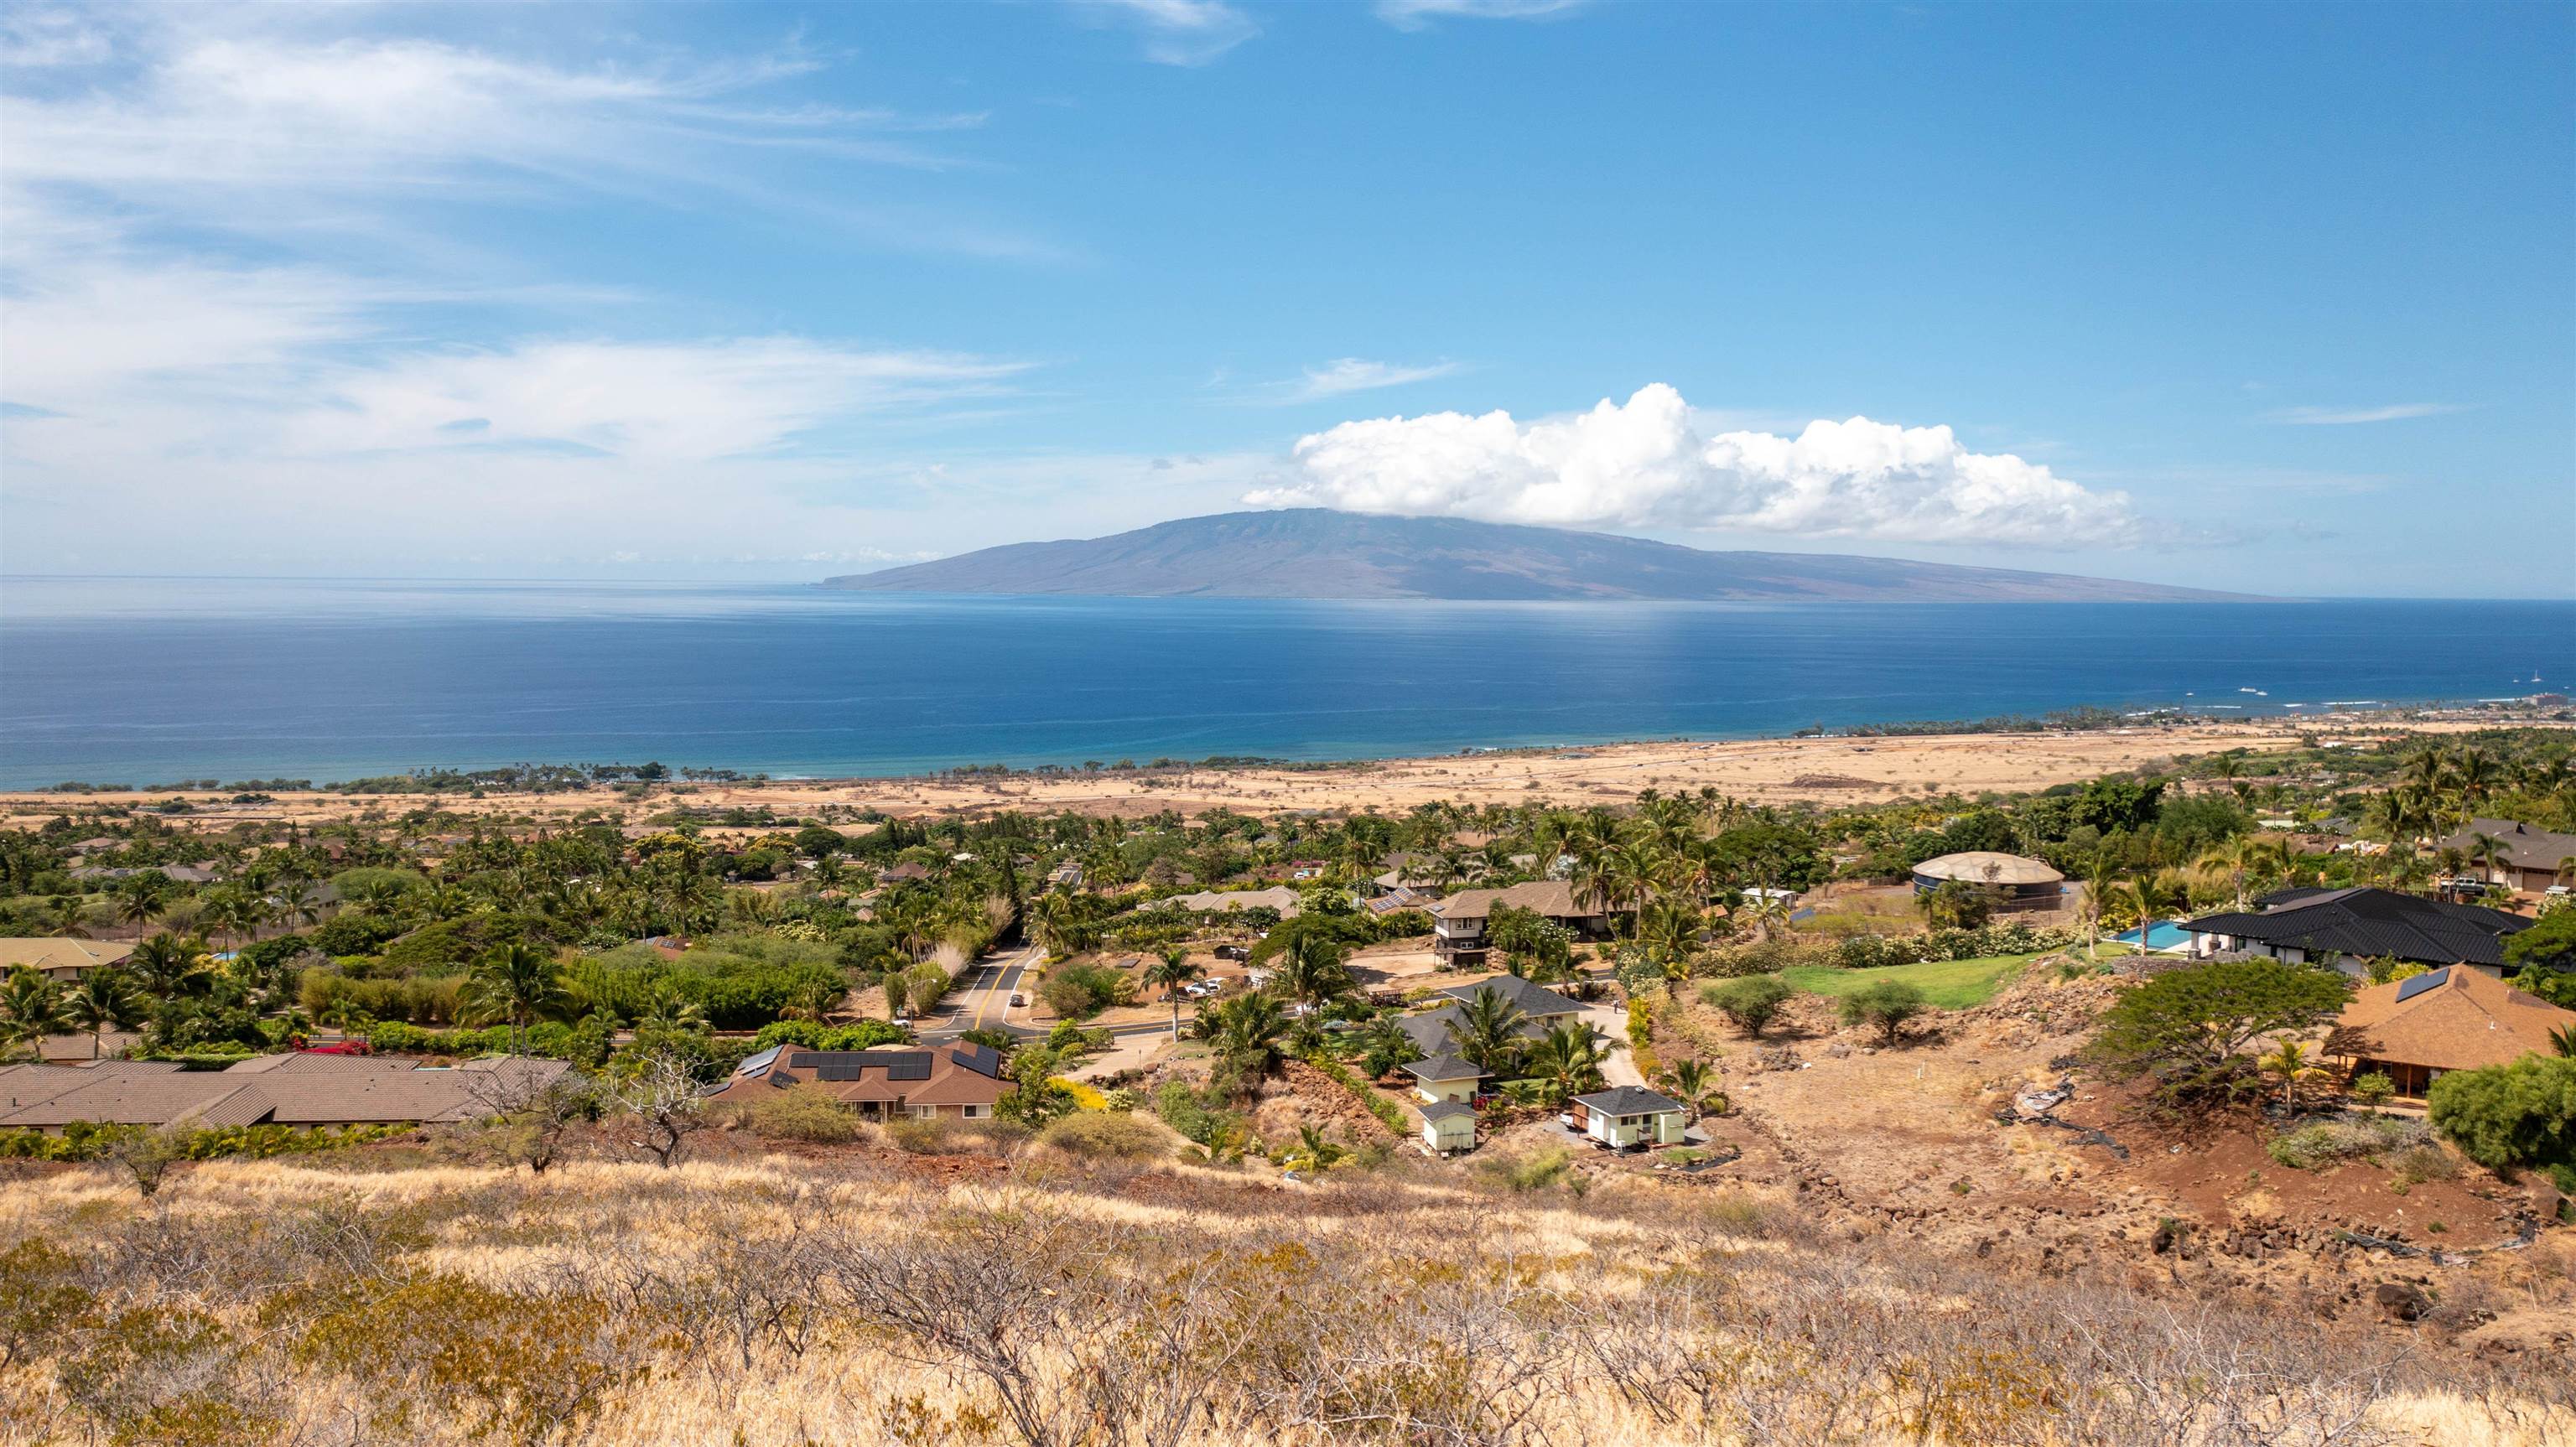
[[1650, 462]]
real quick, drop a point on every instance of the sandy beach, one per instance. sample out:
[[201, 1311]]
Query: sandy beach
[[1819, 770]]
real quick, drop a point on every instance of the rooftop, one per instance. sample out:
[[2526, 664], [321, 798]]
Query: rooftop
[[1985, 866], [2450, 1019], [2371, 923]]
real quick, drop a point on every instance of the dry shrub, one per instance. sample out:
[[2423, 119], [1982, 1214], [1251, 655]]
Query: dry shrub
[[802, 1113], [1109, 1135], [778, 1301], [926, 1137]]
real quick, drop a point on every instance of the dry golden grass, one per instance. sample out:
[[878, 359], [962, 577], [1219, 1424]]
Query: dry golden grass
[[772, 1302]]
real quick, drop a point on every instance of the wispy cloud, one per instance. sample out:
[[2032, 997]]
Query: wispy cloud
[[1418, 14], [237, 298], [1344, 375], [1652, 462], [1180, 32], [2351, 416]]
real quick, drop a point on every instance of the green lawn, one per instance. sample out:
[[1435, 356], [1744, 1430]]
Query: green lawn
[[1949, 984]]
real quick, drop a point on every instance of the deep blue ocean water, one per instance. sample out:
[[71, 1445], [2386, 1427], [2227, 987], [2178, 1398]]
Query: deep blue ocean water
[[146, 681]]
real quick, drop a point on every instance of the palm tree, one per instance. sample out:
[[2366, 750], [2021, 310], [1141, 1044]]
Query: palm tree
[[1313, 971], [2290, 1065], [1488, 1030], [70, 913], [1168, 974], [518, 983], [1312, 1152], [168, 964], [1386, 1046], [1693, 1079], [2563, 1040], [32, 1006], [1568, 1061], [138, 897], [1246, 1031], [105, 996]]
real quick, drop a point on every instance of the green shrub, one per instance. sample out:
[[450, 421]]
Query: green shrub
[[2373, 1087], [1751, 1002], [1886, 1005], [1107, 1135], [1079, 991], [858, 1035], [2522, 1114]]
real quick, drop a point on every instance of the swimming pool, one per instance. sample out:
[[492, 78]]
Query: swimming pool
[[2164, 934]]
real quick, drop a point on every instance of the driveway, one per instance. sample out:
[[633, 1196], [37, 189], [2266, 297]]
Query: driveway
[[1621, 1066]]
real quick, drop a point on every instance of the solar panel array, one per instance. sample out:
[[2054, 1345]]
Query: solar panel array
[[982, 1059], [853, 1064], [2420, 984]]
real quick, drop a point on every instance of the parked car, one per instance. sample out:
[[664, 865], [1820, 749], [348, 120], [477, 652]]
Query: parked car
[[1018, 999], [1233, 952]]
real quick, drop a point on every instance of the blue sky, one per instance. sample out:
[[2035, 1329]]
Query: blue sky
[[2263, 297]]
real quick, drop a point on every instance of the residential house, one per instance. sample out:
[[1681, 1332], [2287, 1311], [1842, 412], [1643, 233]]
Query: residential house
[[1445, 1077], [62, 958], [2415, 1029], [2348, 928], [958, 1081], [1458, 926], [1213, 901], [1399, 898], [909, 871], [1449, 1125], [2527, 859], [1630, 1115], [301, 1089], [1434, 1032]]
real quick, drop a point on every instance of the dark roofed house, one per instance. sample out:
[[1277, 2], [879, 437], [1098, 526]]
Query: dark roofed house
[[1434, 1032], [2348, 928], [1630, 1115], [960, 1081], [1449, 1125]]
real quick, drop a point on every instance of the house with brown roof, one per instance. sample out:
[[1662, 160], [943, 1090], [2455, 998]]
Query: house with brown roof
[[1458, 925], [302, 1089], [2414, 1030], [958, 1081], [2523, 858], [62, 958]]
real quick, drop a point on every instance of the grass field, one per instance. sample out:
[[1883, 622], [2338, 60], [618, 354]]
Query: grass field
[[1949, 984]]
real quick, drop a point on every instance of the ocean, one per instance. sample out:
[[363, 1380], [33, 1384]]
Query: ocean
[[143, 681]]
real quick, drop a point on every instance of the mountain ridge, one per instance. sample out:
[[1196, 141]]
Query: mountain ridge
[[1325, 554]]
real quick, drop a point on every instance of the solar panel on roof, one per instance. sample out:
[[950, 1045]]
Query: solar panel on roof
[[982, 1059], [838, 1070], [909, 1067], [2420, 984]]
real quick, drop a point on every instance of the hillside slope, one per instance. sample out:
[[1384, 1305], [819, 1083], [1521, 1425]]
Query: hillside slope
[[1318, 553]]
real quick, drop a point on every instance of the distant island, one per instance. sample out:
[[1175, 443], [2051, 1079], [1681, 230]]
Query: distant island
[[1321, 553]]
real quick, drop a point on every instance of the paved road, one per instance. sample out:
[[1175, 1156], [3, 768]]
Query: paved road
[[982, 1000]]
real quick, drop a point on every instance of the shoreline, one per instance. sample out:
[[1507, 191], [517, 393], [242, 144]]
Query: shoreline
[[1825, 770]]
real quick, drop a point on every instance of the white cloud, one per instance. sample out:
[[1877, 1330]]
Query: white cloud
[[1418, 14], [1181, 32], [1651, 463], [1353, 374], [2350, 416]]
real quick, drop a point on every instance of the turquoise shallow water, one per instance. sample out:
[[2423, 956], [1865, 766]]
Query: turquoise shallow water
[[144, 681]]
